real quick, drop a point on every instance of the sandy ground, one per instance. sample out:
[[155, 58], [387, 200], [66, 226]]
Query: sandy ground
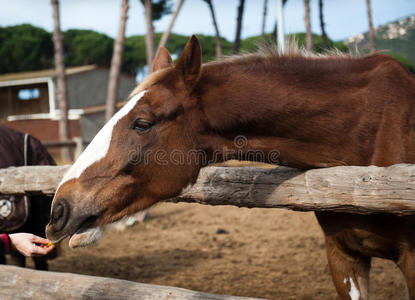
[[269, 253]]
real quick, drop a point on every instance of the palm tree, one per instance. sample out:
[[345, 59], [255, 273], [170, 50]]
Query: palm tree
[[372, 42], [150, 40], [116, 63], [215, 24], [61, 82], [322, 25], [273, 38], [167, 33], [309, 35], [264, 17], [237, 42]]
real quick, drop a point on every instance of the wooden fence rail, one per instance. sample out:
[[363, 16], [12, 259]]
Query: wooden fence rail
[[363, 190], [21, 283]]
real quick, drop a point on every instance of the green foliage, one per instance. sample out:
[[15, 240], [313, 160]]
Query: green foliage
[[135, 50], [177, 42], [25, 48], [159, 8], [341, 46], [300, 38], [403, 60], [134, 54], [404, 46], [84, 47], [208, 44], [388, 39], [252, 43]]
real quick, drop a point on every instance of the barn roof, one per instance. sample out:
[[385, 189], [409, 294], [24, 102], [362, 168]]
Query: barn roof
[[44, 73]]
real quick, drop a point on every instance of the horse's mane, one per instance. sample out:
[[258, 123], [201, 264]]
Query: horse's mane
[[295, 59], [149, 81], [268, 58], [292, 50], [298, 60]]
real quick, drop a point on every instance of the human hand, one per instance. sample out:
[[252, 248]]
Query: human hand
[[29, 244]]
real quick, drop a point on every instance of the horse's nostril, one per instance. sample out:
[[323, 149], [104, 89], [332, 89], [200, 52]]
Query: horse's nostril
[[58, 212], [59, 215]]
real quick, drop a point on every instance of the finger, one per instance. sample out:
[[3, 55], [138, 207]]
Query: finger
[[48, 249], [39, 251], [40, 240]]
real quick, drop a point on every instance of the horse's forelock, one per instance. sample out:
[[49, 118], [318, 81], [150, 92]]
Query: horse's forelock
[[150, 80]]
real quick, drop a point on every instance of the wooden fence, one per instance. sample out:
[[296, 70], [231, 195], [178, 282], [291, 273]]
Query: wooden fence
[[21, 283], [362, 190], [75, 144]]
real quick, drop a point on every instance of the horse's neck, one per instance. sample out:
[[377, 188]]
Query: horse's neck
[[275, 111]]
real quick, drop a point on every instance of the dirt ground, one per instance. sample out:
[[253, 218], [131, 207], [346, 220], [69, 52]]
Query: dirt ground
[[268, 253]]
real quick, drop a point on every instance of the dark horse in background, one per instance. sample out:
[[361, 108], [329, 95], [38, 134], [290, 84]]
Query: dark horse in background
[[12, 147], [316, 111]]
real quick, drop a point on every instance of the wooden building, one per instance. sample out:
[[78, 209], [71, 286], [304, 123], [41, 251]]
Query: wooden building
[[28, 101]]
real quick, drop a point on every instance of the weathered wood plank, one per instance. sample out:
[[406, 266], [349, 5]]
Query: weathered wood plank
[[31, 179], [22, 283], [363, 190]]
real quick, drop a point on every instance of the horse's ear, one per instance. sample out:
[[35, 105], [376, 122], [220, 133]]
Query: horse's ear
[[190, 62], [162, 60]]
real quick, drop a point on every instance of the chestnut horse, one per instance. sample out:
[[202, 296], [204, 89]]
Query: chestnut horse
[[315, 111]]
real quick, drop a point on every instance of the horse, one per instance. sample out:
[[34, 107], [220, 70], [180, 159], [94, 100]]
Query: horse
[[18, 149], [314, 111]]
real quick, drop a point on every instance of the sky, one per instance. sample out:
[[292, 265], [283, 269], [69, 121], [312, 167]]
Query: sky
[[344, 18]]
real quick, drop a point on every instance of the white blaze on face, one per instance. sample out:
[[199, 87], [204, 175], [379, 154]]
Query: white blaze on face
[[354, 292], [99, 146]]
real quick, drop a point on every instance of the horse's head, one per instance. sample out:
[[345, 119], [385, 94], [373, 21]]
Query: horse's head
[[127, 167]]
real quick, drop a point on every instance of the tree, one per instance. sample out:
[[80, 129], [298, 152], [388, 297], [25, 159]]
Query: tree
[[24, 48], [61, 82], [237, 42], [150, 44], [371, 29], [134, 56], [308, 25], [322, 25], [153, 11], [264, 17], [215, 25], [167, 33], [84, 47], [160, 8], [116, 63], [273, 38]]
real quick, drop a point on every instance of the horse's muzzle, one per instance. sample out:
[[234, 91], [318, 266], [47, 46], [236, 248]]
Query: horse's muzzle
[[58, 219]]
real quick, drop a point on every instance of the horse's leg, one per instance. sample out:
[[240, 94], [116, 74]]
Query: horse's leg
[[2, 260], [40, 263], [349, 267], [350, 272], [17, 259], [406, 263]]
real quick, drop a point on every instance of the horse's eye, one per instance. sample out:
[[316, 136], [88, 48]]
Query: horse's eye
[[141, 125]]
